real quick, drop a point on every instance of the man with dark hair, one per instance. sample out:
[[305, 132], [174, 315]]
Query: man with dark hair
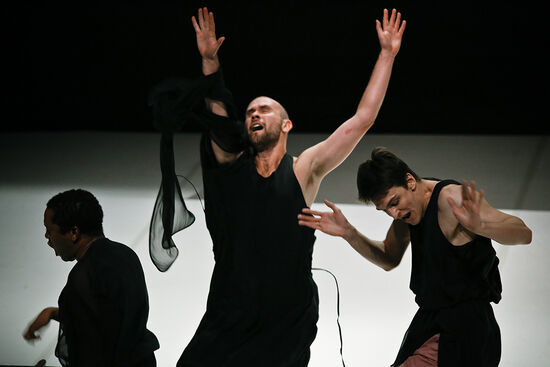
[[380, 173], [262, 307], [104, 306], [454, 266]]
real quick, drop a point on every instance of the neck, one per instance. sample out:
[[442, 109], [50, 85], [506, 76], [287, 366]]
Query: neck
[[268, 161], [426, 188], [85, 243]]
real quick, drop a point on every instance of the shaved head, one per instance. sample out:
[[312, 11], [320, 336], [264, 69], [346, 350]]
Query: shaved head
[[282, 111], [267, 123]]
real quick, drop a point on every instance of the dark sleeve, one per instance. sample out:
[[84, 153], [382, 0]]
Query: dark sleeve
[[124, 281], [175, 103], [80, 321], [110, 311]]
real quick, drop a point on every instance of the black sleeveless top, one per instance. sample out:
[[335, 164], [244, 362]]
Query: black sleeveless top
[[454, 286], [263, 304], [442, 274]]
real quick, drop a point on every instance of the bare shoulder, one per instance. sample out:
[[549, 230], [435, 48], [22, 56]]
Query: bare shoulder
[[452, 191], [302, 166], [301, 170], [308, 181]]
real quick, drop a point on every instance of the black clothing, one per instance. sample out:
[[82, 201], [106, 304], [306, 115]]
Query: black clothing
[[103, 311], [454, 286], [262, 306], [263, 303], [177, 102]]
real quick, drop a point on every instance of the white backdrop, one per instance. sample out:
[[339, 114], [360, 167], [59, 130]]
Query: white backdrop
[[376, 306]]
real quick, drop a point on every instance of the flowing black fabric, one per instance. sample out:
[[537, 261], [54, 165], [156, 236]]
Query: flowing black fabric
[[262, 306], [454, 286], [177, 102], [103, 311]]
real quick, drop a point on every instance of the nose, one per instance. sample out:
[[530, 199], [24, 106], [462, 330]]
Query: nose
[[393, 212]]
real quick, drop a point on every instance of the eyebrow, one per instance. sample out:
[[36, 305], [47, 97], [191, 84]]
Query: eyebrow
[[263, 106], [389, 201]]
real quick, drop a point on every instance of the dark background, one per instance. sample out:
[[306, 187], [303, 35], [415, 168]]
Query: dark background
[[464, 67]]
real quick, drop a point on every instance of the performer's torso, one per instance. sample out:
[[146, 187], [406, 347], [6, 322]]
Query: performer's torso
[[104, 308], [259, 249], [444, 275]]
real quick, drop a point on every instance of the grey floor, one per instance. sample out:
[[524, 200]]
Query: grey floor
[[122, 169]]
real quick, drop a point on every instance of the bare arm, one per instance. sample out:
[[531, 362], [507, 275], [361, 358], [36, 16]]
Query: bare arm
[[208, 45], [43, 318], [475, 214], [386, 254], [327, 155]]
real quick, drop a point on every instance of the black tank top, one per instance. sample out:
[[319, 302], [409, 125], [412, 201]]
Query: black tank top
[[263, 304], [442, 274]]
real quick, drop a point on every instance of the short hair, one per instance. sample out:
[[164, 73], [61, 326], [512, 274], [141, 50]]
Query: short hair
[[380, 173], [78, 208], [284, 113]]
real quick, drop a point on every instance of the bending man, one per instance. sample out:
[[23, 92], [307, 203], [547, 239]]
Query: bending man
[[454, 266], [104, 306]]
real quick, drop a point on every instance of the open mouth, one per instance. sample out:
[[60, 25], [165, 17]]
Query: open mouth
[[256, 127]]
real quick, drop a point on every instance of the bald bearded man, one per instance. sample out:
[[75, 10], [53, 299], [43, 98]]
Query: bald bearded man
[[263, 303]]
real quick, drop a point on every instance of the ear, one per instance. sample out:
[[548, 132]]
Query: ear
[[75, 234], [287, 125], [411, 182]]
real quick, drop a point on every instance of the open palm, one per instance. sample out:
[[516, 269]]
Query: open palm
[[390, 31], [205, 30], [468, 214]]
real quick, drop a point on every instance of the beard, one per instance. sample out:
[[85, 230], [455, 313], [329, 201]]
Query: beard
[[266, 141]]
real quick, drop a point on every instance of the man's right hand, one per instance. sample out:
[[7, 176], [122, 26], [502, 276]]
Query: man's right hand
[[207, 43], [332, 223], [41, 320], [390, 32]]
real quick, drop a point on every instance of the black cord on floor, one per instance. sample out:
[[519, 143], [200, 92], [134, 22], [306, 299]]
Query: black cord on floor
[[337, 313]]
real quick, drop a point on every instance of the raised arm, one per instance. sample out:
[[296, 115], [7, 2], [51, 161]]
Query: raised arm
[[327, 155], [475, 214], [208, 45], [386, 254]]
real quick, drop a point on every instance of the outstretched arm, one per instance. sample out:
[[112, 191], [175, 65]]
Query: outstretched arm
[[386, 254], [208, 45], [475, 214], [327, 155], [41, 320]]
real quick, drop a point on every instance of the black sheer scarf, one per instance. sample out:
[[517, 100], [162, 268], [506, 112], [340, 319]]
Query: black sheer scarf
[[175, 103]]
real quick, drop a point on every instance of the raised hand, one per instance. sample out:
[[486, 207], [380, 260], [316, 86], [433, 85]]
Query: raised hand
[[468, 214], [205, 30], [390, 32], [333, 223]]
